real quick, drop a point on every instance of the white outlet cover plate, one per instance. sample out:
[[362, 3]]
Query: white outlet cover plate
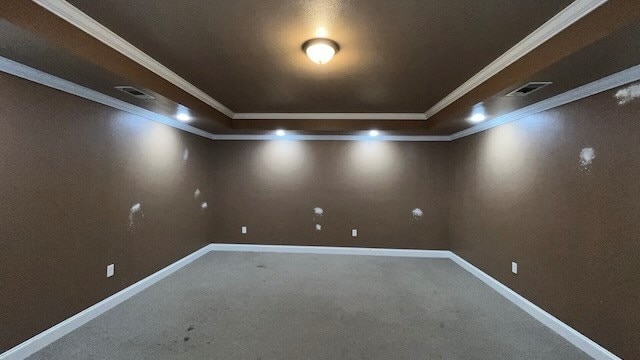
[[354, 232], [244, 229], [514, 267], [111, 269]]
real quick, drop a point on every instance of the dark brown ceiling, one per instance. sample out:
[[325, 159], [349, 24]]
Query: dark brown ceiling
[[602, 24], [607, 56], [246, 55], [396, 56], [27, 48]]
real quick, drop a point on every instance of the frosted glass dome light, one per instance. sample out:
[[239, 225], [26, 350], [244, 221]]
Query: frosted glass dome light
[[320, 50]]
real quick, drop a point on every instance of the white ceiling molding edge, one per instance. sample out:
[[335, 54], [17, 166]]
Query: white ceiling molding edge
[[569, 15], [40, 77], [84, 22], [25, 72], [329, 116], [607, 83], [300, 137]]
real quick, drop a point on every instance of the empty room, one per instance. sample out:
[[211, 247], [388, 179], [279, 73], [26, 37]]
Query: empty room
[[320, 179]]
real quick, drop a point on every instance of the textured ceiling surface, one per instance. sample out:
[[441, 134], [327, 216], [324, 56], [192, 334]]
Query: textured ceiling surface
[[396, 56], [607, 56], [400, 57], [28, 49]]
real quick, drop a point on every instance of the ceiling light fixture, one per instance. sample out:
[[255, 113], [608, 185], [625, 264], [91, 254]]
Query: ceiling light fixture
[[374, 133], [281, 132], [320, 50], [322, 32]]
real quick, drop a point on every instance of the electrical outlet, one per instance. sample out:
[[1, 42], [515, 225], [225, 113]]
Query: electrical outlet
[[111, 269], [244, 229], [354, 232], [514, 267]]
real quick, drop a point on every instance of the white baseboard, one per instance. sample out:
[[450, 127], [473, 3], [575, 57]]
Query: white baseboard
[[328, 250], [570, 334], [47, 337], [54, 333]]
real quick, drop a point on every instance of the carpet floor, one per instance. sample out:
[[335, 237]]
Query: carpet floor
[[266, 306]]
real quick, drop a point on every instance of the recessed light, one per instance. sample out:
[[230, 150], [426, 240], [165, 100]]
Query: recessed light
[[478, 113], [184, 117], [281, 132], [320, 50], [374, 133], [476, 118]]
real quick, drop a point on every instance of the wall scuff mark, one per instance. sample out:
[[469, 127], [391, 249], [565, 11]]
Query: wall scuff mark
[[317, 211], [185, 154], [417, 213], [628, 94], [135, 212], [204, 205], [586, 158], [196, 194]]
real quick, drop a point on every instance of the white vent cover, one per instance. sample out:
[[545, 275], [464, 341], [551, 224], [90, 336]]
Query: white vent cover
[[528, 88], [135, 92]]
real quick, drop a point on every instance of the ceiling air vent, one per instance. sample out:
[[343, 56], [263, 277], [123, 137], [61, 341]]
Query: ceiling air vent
[[529, 88], [135, 92]]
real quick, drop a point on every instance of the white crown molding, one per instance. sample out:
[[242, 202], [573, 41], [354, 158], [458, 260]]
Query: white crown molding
[[592, 88], [329, 116], [415, 138], [25, 72], [569, 15], [37, 76], [84, 22], [87, 24], [54, 333]]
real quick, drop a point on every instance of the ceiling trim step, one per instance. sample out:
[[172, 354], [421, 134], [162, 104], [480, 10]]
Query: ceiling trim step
[[84, 22], [329, 116], [607, 83], [569, 15], [613, 81], [566, 17], [40, 77]]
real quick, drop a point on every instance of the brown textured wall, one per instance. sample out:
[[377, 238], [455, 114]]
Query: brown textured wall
[[521, 193], [273, 187], [70, 170]]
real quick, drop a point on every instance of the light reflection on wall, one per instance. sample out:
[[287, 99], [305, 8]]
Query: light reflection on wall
[[283, 161], [373, 162], [502, 165], [161, 153]]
